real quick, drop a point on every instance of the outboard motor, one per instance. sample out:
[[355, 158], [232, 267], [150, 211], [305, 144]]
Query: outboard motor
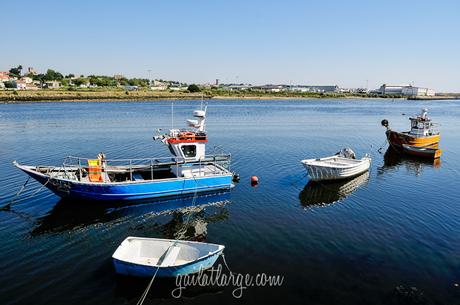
[[347, 153]]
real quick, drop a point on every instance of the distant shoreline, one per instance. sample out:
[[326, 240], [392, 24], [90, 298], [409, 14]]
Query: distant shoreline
[[23, 96]]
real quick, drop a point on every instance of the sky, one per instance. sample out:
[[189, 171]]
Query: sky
[[348, 43]]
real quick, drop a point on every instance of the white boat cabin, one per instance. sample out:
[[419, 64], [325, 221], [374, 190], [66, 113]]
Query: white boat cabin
[[421, 125], [189, 144]]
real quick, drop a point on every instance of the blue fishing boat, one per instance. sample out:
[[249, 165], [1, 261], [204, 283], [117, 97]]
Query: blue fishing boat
[[188, 171], [146, 257]]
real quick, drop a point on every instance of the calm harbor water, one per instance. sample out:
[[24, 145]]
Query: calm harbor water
[[389, 237]]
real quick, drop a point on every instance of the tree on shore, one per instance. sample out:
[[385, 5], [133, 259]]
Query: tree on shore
[[40, 78], [53, 75], [141, 82], [16, 72], [80, 81], [193, 88], [94, 80], [102, 81], [10, 84]]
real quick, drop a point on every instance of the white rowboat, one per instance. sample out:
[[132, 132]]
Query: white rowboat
[[138, 256], [340, 166]]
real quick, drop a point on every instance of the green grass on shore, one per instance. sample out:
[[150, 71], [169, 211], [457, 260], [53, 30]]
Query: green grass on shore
[[115, 93]]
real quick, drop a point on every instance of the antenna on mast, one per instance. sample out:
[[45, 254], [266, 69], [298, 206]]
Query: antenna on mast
[[172, 115]]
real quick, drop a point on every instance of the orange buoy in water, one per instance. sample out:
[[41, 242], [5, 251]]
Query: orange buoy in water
[[254, 179]]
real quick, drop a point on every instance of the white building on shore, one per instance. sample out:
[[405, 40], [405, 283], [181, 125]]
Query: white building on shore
[[417, 91], [405, 90], [159, 86]]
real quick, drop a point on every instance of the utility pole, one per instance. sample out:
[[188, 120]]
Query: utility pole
[[149, 76]]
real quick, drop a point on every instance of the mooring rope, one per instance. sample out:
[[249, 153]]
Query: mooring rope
[[225, 263], [183, 230], [21, 189], [185, 226], [146, 291], [382, 146], [7, 206]]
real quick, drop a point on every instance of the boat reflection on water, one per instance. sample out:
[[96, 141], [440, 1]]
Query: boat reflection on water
[[178, 218], [325, 193], [130, 288], [392, 160], [192, 223]]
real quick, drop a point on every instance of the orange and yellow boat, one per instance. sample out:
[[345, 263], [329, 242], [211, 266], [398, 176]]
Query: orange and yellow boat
[[421, 141]]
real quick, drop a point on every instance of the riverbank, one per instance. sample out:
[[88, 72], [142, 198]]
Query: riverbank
[[102, 94], [8, 96], [437, 97]]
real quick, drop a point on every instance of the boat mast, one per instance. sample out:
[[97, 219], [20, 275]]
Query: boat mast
[[172, 115]]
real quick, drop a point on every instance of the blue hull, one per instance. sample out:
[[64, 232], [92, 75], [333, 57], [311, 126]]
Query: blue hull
[[134, 190], [130, 269]]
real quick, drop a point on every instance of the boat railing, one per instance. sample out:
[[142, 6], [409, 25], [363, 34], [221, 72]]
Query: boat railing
[[222, 160]]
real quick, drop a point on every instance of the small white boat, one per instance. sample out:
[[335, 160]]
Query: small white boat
[[139, 256], [343, 165]]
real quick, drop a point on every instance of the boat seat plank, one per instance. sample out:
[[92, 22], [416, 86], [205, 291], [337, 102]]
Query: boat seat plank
[[170, 256]]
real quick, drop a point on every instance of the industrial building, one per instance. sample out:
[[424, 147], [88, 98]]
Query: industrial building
[[316, 89], [405, 90], [417, 91]]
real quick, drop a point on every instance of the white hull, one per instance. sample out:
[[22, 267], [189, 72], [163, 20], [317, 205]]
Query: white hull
[[140, 256], [335, 167]]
